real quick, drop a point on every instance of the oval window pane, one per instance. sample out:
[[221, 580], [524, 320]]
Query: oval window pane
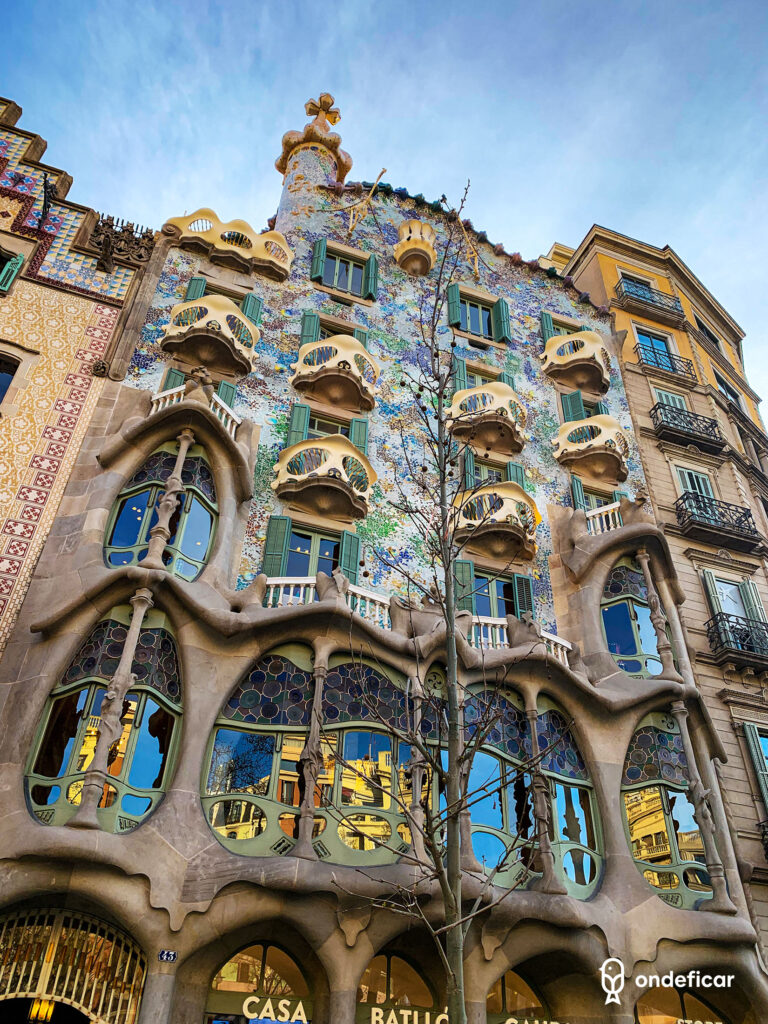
[[240, 762], [43, 795], [662, 879], [197, 531], [364, 832], [150, 753], [120, 558], [135, 805], [127, 529], [579, 867], [237, 819], [405, 833], [289, 823], [489, 849]]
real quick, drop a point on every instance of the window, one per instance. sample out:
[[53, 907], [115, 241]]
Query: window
[[575, 407], [477, 378], [261, 970], [484, 320], [656, 348], [310, 553], [665, 1006], [320, 426], [10, 265], [487, 472], [732, 597], [694, 482], [192, 524], [250, 304], [593, 500], [305, 424], [670, 398], [356, 275], [390, 981], [491, 595], [300, 552], [637, 285], [728, 390], [589, 500], [343, 274], [511, 995], [706, 331], [629, 632], [138, 765], [8, 368], [475, 318], [550, 327]]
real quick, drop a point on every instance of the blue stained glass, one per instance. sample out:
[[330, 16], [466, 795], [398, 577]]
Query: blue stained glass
[[275, 692]]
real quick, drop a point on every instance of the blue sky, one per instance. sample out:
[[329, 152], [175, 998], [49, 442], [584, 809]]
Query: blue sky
[[647, 117]]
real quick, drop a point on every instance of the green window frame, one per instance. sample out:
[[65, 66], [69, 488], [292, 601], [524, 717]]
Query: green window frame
[[129, 527], [626, 620], [499, 595], [10, 267], [286, 543], [354, 275], [757, 746], [694, 482], [305, 424], [671, 398], [480, 320], [250, 304], [477, 379]]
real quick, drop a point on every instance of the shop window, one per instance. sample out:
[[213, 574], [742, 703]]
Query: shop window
[[663, 834], [8, 368], [627, 625], [390, 981], [139, 761], [192, 525], [512, 995], [264, 978], [671, 1006]]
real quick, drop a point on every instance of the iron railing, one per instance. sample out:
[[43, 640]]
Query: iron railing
[[727, 632], [664, 415], [644, 293], [649, 356], [699, 510]]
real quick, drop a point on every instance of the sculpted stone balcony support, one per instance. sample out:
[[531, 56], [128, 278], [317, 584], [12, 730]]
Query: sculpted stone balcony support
[[211, 332], [490, 416], [327, 476], [578, 361], [596, 445], [415, 252], [234, 244], [499, 520], [338, 371]]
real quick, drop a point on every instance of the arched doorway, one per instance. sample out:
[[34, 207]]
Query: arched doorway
[[261, 982], [390, 984], [63, 967], [511, 996]]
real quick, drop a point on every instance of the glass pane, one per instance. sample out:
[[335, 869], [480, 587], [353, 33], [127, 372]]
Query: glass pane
[[373, 984], [328, 555], [356, 286], [520, 806], [505, 598], [116, 755], [55, 750], [687, 834], [406, 987], [327, 775], [474, 318], [660, 1006], [494, 999], [695, 1009], [342, 281], [482, 596], [483, 790], [329, 271], [299, 554], [648, 641], [463, 320], [290, 785], [152, 746], [364, 832], [45, 794], [237, 819], [197, 531], [579, 867], [366, 775], [520, 998], [485, 315], [647, 825], [241, 762], [282, 976], [574, 815], [242, 973], [130, 516], [489, 850], [662, 879], [135, 805], [618, 629], [730, 598]]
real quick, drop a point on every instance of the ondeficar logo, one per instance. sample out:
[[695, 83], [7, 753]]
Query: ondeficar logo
[[612, 979]]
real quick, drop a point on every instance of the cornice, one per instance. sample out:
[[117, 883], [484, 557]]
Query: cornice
[[720, 559]]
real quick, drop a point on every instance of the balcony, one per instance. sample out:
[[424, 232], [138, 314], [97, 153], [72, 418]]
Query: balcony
[[164, 399], [738, 640], [649, 302], [490, 416], [604, 519], [415, 250], [211, 332], [660, 360], [327, 476], [491, 635], [498, 520], [338, 371], [673, 424], [234, 244], [718, 522], [578, 361], [596, 446]]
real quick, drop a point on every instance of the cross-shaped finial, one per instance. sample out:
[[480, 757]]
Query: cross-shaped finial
[[323, 111]]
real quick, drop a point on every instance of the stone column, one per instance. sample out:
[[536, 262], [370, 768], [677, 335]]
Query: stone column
[[542, 813], [310, 765], [160, 533], [110, 726], [720, 902], [342, 1007], [476, 1013], [157, 998], [658, 620]]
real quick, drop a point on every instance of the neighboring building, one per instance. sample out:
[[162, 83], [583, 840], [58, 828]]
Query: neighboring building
[[705, 453], [227, 567]]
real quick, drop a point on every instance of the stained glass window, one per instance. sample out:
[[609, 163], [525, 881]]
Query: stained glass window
[[276, 692]]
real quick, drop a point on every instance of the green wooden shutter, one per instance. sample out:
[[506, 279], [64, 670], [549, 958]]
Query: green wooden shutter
[[507, 378], [515, 473], [9, 272], [523, 595], [753, 606], [251, 307], [173, 379], [459, 374], [755, 748], [585, 328], [454, 305], [298, 424], [361, 335], [195, 288], [601, 409], [227, 393], [371, 278], [573, 407], [469, 469], [358, 434], [464, 575], [319, 250], [276, 545], [577, 491], [310, 327], [618, 495], [349, 555], [547, 327], [500, 321], [710, 588], [670, 398]]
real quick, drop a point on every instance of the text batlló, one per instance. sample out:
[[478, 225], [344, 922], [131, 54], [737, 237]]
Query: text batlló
[[381, 1016]]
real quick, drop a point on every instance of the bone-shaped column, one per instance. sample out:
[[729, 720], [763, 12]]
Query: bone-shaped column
[[160, 533]]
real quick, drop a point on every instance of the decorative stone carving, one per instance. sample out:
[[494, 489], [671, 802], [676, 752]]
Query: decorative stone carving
[[596, 444], [578, 360], [211, 332], [334, 587], [413, 620], [119, 239], [499, 519], [338, 371], [523, 630], [318, 132], [325, 475]]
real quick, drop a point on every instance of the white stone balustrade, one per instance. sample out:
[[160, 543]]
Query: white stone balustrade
[[604, 519]]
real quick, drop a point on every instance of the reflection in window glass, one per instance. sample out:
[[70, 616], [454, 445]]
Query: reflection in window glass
[[237, 819], [574, 815], [647, 825], [151, 750], [389, 980], [290, 783], [128, 522], [511, 994], [241, 762], [63, 723], [648, 641], [489, 850], [366, 775], [687, 834], [262, 970], [618, 629], [483, 790]]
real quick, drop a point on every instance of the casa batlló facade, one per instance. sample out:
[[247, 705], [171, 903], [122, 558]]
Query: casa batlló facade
[[213, 424]]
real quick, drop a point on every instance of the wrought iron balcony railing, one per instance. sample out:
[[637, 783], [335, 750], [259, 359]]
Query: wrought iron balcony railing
[[710, 514], [671, 420], [644, 293], [649, 356], [733, 635]]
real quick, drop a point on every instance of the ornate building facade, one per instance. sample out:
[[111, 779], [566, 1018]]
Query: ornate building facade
[[201, 815]]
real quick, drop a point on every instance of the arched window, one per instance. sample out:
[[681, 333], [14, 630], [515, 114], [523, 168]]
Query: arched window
[[669, 1006], [390, 981], [192, 524], [511, 996], [261, 974], [629, 631], [663, 835], [8, 368], [140, 760]]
